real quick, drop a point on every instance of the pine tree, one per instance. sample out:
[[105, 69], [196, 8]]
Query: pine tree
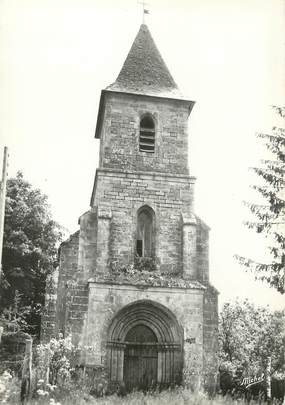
[[270, 215]]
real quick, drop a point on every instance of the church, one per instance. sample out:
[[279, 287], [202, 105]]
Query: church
[[132, 287]]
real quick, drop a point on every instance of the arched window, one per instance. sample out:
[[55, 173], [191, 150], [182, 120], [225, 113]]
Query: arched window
[[145, 232], [147, 134]]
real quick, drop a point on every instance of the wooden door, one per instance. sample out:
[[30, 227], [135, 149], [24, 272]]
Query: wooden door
[[140, 360]]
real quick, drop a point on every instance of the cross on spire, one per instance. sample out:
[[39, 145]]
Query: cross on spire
[[144, 9]]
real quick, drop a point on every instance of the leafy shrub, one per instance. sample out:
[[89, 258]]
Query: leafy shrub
[[9, 388], [141, 264], [248, 336], [144, 263]]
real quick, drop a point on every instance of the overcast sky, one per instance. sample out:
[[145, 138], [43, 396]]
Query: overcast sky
[[227, 55]]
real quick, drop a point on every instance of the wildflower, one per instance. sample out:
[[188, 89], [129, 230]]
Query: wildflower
[[42, 392], [52, 402], [6, 375], [2, 388]]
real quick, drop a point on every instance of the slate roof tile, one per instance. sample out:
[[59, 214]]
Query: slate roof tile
[[144, 71]]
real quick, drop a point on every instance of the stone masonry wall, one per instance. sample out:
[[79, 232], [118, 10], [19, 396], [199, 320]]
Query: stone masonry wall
[[49, 317], [87, 244], [187, 306], [124, 193], [120, 134], [76, 310], [68, 266], [202, 251], [210, 332]]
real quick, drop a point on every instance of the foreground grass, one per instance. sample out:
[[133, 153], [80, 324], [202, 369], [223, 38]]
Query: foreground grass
[[174, 397]]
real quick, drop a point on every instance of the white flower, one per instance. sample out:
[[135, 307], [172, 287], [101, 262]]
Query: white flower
[[42, 392], [52, 402], [6, 375], [51, 387]]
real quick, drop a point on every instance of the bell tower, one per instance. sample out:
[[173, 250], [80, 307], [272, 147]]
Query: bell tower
[[133, 282], [142, 126], [142, 120]]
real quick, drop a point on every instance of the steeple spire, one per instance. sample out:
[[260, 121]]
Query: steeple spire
[[144, 71]]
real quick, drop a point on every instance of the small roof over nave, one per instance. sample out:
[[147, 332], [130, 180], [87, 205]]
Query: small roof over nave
[[144, 70]]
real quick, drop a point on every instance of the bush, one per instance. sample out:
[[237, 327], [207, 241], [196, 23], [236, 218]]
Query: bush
[[54, 366], [9, 388]]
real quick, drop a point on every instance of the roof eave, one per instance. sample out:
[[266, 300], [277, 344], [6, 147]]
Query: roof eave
[[100, 115], [150, 95]]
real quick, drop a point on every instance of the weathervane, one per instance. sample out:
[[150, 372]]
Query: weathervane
[[144, 9]]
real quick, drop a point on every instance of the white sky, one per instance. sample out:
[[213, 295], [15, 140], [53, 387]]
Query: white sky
[[228, 55]]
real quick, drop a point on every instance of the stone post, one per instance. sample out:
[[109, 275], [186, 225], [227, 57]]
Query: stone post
[[87, 244], [27, 373], [268, 380], [189, 248]]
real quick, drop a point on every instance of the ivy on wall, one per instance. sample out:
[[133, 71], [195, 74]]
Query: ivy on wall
[[143, 272]]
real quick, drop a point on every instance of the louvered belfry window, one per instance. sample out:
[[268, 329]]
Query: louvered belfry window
[[147, 134]]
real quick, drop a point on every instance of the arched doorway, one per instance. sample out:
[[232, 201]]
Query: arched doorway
[[144, 347]]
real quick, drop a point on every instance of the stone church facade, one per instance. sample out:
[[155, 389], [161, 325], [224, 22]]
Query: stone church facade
[[133, 286]]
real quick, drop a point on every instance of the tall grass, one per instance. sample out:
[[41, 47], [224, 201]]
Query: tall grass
[[179, 396]]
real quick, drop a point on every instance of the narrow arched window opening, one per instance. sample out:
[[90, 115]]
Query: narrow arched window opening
[[147, 134], [145, 232]]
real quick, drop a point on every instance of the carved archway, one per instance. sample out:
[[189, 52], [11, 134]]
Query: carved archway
[[144, 337]]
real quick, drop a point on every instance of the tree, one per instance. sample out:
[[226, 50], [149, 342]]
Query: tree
[[270, 215], [31, 238], [248, 335]]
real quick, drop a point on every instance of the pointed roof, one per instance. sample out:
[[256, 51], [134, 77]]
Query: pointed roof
[[144, 71]]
